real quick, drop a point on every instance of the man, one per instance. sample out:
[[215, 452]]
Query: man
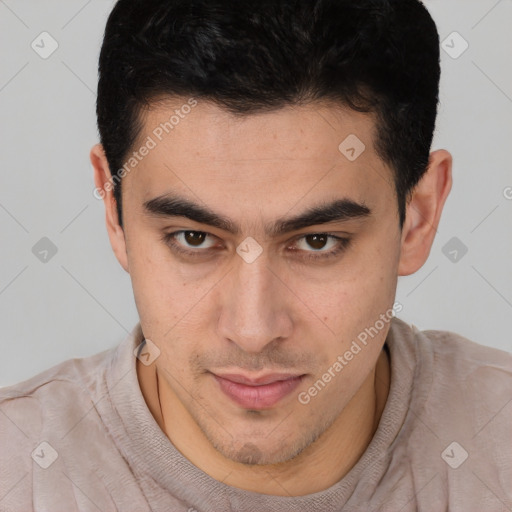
[[267, 176]]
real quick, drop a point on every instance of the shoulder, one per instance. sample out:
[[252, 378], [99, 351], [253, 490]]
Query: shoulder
[[459, 418], [56, 390], [460, 357], [75, 375], [51, 391], [461, 373], [45, 405], [471, 389]]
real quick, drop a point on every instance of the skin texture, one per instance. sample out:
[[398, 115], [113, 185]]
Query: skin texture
[[280, 313]]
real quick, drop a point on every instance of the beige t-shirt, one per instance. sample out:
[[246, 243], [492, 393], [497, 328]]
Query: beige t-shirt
[[79, 436]]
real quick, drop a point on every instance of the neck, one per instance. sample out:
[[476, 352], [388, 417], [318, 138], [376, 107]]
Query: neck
[[321, 465]]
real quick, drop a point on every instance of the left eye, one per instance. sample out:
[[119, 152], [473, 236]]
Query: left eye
[[318, 241]]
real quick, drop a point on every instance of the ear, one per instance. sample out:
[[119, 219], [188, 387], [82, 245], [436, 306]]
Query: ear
[[104, 190], [424, 212]]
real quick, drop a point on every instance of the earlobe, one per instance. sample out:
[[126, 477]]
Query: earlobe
[[424, 212], [104, 190]]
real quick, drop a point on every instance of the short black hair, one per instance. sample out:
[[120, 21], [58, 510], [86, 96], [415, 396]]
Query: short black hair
[[246, 56]]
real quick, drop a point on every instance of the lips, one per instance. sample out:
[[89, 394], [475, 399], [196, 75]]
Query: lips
[[257, 393]]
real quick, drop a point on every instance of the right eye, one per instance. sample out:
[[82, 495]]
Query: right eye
[[185, 240]]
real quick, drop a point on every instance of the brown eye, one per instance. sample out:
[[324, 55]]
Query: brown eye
[[194, 238], [189, 242], [320, 246], [316, 241]]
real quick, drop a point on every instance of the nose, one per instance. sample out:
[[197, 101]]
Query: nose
[[254, 312]]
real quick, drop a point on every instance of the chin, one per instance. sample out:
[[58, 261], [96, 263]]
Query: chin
[[253, 453]]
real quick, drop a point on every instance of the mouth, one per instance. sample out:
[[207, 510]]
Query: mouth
[[257, 393]]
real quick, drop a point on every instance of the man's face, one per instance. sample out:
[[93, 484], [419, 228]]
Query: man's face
[[260, 301]]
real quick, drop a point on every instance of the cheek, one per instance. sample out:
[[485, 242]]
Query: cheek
[[160, 295], [356, 306], [148, 277], [351, 301], [172, 307]]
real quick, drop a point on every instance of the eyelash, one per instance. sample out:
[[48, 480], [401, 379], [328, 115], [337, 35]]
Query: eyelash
[[342, 245]]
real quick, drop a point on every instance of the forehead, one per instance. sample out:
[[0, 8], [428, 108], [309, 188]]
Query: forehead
[[313, 130], [320, 150]]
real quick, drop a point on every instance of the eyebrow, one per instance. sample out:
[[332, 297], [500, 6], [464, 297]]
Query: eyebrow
[[339, 210]]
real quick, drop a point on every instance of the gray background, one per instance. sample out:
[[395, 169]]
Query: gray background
[[79, 302]]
